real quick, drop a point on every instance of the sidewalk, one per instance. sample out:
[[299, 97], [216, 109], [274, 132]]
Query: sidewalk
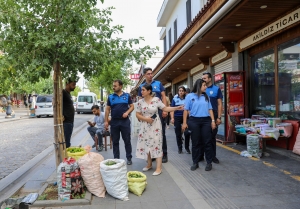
[[237, 182], [20, 113]]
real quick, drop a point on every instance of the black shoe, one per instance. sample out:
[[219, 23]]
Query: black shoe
[[188, 151], [94, 145], [201, 159], [179, 151], [165, 159], [215, 160], [100, 148], [194, 166], [208, 167], [129, 162]]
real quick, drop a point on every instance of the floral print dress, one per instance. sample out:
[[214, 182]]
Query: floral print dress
[[150, 135]]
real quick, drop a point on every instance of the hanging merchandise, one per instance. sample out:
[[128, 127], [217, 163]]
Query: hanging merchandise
[[137, 182], [254, 145], [114, 175], [90, 170]]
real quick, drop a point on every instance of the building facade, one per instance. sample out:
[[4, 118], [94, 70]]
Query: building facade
[[260, 38]]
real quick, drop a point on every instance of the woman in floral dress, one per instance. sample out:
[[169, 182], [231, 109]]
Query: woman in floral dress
[[149, 144]]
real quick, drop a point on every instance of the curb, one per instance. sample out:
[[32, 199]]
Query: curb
[[58, 203], [23, 170]]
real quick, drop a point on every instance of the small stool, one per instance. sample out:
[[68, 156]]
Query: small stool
[[105, 141]]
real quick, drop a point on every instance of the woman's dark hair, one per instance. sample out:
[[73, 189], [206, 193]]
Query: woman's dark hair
[[149, 87], [184, 89], [197, 89]]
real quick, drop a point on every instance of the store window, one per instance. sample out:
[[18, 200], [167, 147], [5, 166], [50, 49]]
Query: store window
[[263, 85], [289, 79]]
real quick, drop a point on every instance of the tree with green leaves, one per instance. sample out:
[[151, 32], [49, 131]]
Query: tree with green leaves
[[63, 37]]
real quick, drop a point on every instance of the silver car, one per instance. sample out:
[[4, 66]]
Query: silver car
[[44, 106]]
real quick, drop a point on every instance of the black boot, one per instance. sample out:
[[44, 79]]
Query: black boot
[[194, 166]]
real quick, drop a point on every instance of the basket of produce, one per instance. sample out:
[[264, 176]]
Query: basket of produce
[[137, 182], [76, 152]]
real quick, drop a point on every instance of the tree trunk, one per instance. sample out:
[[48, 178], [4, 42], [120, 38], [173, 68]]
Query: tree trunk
[[59, 139]]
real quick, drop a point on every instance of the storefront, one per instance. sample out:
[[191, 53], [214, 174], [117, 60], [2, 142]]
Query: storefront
[[196, 73], [181, 80], [273, 68], [222, 62]]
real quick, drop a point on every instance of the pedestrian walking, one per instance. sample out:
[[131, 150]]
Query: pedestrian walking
[[201, 123], [119, 105], [25, 100], [216, 97], [97, 132], [177, 120], [159, 91], [150, 141], [68, 111]]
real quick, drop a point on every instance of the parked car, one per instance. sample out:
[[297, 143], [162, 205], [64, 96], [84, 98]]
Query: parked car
[[85, 101], [44, 106]]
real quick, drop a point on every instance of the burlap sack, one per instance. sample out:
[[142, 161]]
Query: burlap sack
[[90, 171]]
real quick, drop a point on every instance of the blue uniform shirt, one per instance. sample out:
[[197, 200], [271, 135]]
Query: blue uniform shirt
[[197, 106], [214, 93], [118, 104], [177, 101], [157, 88]]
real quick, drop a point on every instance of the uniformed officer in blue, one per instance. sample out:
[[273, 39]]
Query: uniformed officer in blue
[[177, 119], [200, 123], [216, 97], [159, 91], [119, 104]]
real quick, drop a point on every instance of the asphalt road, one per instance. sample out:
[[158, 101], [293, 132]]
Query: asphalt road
[[21, 140]]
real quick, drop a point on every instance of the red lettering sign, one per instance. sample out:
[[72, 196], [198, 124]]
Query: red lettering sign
[[135, 76]]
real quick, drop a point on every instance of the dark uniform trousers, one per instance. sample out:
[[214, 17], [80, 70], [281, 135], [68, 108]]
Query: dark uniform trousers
[[201, 132], [178, 120], [163, 124], [123, 126], [213, 138]]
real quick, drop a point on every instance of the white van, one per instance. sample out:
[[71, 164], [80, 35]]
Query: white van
[[85, 101]]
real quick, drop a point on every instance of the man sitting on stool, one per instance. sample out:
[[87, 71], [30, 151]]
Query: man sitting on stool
[[96, 132]]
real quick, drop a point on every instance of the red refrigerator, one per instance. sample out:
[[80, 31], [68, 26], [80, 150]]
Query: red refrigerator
[[232, 85]]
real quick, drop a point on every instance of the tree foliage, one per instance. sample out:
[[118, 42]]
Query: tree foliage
[[65, 37], [37, 33]]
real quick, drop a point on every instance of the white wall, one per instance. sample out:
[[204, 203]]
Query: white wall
[[179, 13]]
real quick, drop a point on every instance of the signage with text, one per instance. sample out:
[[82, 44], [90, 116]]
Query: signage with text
[[274, 27], [135, 76]]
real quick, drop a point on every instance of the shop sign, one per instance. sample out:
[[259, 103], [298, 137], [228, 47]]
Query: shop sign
[[197, 68], [219, 57], [135, 76], [167, 85], [274, 27], [219, 77]]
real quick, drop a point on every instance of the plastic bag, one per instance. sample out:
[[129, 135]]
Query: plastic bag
[[136, 185], [90, 170], [115, 178], [76, 155], [69, 180], [254, 145], [245, 153]]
